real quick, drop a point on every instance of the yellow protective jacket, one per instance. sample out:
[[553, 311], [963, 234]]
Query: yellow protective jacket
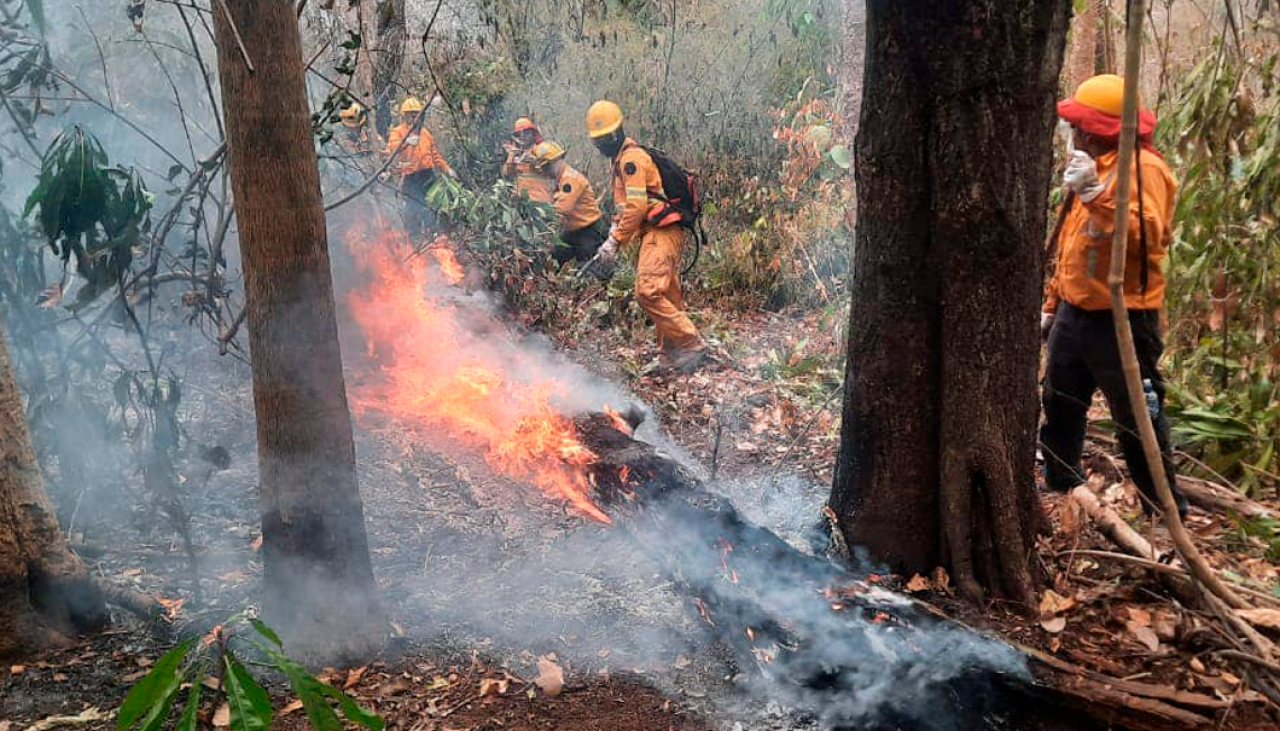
[[636, 186], [1084, 247], [414, 158], [575, 201]]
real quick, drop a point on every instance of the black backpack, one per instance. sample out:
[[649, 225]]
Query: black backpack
[[683, 204]]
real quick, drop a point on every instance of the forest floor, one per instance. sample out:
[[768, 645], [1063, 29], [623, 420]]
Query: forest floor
[[485, 578]]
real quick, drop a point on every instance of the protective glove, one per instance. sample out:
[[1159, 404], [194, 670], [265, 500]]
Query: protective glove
[[608, 253], [1081, 176], [1046, 324], [412, 141]]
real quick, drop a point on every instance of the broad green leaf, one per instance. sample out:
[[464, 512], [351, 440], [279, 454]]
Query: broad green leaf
[[190, 714], [250, 704], [841, 157], [352, 710], [148, 702], [266, 631]]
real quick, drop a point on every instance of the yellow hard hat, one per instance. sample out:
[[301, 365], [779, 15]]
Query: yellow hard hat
[[603, 118], [545, 153], [353, 115], [1104, 93], [411, 104]]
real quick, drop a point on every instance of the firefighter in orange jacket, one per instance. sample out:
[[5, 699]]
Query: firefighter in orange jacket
[[520, 163], [637, 187], [418, 164], [1082, 351], [582, 226]]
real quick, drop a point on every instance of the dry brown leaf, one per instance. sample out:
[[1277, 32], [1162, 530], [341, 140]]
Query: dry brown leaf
[[918, 584], [1269, 618], [941, 580], [1055, 625], [222, 716], [681, 662], [1053, 603], [17, 669], [1139, 616], [550, 678], [493, 686], [60, 677], [1144, 634], [291, 707], [1196, 665], [353, 677]]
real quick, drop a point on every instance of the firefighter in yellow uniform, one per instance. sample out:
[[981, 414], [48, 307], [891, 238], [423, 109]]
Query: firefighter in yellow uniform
[[582, 226], [419, 164], [637, 187], [520, 163]]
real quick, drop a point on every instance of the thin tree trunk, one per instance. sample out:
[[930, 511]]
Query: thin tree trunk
[[318, 580], [1082, 54], [936, 461], [387, 57], [45, 592]]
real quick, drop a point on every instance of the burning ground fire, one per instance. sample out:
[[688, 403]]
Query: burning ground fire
[[433, 373]]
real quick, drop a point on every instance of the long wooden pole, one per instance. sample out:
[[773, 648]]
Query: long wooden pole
[[1124, 332]]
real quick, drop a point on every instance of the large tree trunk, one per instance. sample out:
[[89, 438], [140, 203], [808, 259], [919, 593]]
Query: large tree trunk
[[936, 459], [45, 592], [318, 579]]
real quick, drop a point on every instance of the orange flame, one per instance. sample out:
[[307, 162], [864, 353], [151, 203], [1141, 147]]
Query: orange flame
[[449, 265], [424, 380]]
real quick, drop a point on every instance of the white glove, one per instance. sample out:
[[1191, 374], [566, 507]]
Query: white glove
[[412, 141], [608, 251], [1081, 176], [1046, 324]]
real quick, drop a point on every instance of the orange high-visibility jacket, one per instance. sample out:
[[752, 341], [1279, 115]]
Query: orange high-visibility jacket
[[1084, 248], [575, 201], [528, 180], [635, 183], [413, 158]]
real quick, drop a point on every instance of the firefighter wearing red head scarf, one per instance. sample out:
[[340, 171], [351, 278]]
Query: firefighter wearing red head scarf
[[637, 188], [520, 165], [1083, 356]]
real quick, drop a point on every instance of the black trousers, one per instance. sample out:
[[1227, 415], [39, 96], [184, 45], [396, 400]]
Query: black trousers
[[582, 244], [419, 218], [1084, 357]]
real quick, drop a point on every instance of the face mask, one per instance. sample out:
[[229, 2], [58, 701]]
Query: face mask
[[609, 146]]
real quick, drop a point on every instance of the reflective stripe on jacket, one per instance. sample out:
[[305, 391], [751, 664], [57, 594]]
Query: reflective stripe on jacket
[[1084, 247], [635, 182]]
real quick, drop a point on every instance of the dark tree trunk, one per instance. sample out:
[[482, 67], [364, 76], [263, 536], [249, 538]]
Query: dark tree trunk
[[388, 57], [45, 591], [317, 575], [936, 460]]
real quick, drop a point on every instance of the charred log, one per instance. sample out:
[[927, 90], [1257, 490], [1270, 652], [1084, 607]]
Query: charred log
[[834, 642]]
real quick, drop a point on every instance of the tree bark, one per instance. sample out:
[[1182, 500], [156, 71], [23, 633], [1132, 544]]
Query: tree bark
[[953, 155], [45, 592], [388, 57], [318, 580]]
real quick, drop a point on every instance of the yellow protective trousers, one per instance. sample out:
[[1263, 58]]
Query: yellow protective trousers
[[658, 289]]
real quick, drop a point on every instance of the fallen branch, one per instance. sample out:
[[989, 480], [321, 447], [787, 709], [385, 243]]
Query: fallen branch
[[1164, 568], [1221, 499], [145, 606]]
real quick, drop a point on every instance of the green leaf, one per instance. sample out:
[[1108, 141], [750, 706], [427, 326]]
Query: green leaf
[[267, 632], [352, 710], [840, 156], [250, 704], [148, 702], [190, 713]]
